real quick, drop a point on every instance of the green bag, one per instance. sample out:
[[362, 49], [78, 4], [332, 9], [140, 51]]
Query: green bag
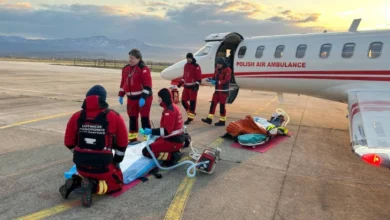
[[251, 139]]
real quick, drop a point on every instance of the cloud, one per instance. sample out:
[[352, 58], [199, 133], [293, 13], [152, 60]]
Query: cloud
[[155, 3], [16, 6], [289, 16], [252, 9], [185, 26]]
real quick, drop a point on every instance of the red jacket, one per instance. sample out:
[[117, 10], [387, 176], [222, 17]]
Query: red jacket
[[171, 124], [93, 105], [136, 81], [192, 75], [222, 78]]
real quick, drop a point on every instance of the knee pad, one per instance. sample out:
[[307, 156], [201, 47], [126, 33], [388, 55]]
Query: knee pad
[[192, 105], [145, 122], [133, 123], [222, 108]]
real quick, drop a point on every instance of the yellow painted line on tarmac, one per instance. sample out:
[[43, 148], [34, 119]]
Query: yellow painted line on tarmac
[[265, 105], [178, 204], [69, 205], [51, 211], [36, 120]]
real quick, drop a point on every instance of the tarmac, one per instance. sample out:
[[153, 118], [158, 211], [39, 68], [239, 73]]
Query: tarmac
[[311, 175]]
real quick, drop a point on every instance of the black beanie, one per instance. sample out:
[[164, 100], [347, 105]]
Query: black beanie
[[190, 55], [220, 60], [97, 90], [165, 96]]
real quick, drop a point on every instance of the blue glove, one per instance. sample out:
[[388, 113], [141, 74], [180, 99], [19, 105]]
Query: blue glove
[[147, 131], [121, 100], [212, 82], [141, 102]]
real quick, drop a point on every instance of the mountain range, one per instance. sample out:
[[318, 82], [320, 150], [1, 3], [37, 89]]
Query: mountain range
[[96, 47]]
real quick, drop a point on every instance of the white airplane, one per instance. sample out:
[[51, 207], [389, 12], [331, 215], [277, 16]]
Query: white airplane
[[351, 67]]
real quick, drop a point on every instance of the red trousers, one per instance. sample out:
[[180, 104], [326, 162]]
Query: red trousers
[[221, 98], [162, 149], [133, 110], [106, 182], [189, 95]]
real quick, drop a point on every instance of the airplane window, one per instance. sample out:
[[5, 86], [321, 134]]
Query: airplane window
[[279, 51], [375, 50], [202, 51], [348, 50], [241, 52], [325, 50], [301, 51], [259, 52]]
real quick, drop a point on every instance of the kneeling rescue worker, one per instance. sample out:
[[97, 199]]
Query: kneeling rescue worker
[[221, 80], [168, 146], [91, 134]]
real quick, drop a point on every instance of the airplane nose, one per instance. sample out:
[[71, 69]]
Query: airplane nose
[[165, 73]]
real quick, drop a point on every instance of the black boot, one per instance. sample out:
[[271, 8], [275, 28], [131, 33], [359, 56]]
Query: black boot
[[220, 123], [189, 120], [207, 120], [87, 186], [70, 185], [175, 157]]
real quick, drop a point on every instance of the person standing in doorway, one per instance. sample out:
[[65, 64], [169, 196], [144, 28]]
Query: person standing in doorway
[[221, 80]]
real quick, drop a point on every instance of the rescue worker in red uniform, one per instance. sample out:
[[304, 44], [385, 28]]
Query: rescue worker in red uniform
[[167, 147], [92, 134], [136, 84], [221, 80], [191, 80]]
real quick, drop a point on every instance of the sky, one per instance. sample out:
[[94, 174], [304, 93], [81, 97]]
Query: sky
[[180, 23]]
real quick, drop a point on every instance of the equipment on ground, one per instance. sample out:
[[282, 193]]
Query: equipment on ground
[[205, 161], [255, 131], [175, 94]]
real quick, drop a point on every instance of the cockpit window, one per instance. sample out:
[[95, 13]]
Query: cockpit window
[[203, 51]]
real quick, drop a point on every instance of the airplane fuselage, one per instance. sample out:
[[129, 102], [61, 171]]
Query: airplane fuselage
[[325, 65]]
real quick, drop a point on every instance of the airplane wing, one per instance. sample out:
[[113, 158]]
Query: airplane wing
[[369, 126]]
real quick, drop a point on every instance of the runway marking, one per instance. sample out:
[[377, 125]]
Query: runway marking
[[36, 120], [176, 209], [51, 211], [265, 105], [72, 204]]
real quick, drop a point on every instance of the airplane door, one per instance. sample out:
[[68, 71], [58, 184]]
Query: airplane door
[[228, 49]]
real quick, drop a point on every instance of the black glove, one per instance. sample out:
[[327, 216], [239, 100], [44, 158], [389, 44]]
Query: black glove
[[179, 85], [196, 87]]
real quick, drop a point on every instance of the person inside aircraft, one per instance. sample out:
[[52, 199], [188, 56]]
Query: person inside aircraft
[[92, 134], [167, 147], [136, 84], [221, 80], [230, 59], [192, 77]]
